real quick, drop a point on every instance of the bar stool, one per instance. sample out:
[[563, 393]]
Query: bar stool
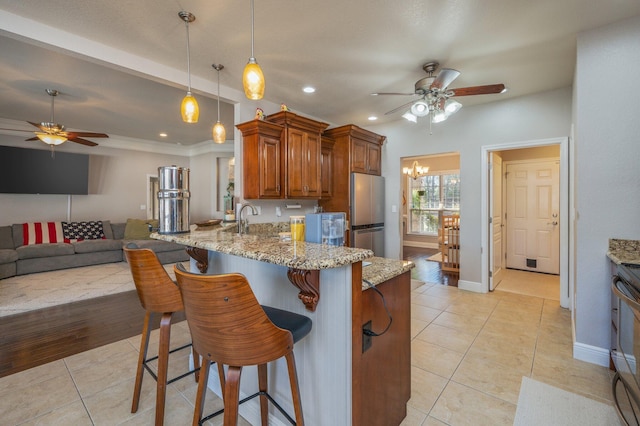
[[230, 327], [158, 293]]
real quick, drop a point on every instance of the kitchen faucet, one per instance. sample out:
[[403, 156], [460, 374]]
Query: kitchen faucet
[[244, 225]]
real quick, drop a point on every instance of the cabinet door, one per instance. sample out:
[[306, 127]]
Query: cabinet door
[[303, 164], [269, 167], [359, 156], [326, 171], [374, 154]]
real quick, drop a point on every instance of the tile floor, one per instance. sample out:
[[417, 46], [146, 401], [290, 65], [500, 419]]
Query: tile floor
[[469, 353]]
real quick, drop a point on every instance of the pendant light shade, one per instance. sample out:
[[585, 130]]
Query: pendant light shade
[[253, 78], [219, 132], [189, 109]]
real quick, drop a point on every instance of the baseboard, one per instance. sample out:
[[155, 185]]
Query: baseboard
[[592, 354], [420, 244], [476, 287]]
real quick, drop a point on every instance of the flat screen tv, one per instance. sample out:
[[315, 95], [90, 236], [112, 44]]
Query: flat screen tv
[[34, 171]]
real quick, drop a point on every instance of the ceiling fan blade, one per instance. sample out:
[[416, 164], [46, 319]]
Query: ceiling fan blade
[[82, 141], [392, 93], [17, 130], [399, 108], [444, 78], [478, 90], [39, 126], [71, 135], [35, 138]]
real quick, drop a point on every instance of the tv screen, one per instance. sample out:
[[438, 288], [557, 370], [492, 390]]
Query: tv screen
[[34, 171]]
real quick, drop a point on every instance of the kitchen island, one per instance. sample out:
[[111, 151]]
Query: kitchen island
[[345, 377]]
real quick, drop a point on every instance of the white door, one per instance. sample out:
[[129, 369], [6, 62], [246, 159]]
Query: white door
[[533, 234], [496, 254]]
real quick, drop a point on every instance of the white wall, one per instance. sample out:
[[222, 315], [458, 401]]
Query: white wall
[[539, 116], [607, 162]]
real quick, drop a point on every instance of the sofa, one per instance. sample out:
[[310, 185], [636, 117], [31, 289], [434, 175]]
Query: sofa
[[18, 258]]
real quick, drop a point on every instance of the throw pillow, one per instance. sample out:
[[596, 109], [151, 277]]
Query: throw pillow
[[79, 231], [42, 233], [137, 229]]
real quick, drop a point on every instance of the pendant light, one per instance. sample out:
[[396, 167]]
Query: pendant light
[[252, 77], [219, 133], [189, 109]]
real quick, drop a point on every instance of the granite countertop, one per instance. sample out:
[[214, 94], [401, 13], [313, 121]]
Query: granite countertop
[[261, 244], [382, 269], [624, 251]]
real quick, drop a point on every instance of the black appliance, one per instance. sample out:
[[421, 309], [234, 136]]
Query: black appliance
[[625, 345]]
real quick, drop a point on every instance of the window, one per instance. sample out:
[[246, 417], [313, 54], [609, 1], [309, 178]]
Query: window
[[430, 196]]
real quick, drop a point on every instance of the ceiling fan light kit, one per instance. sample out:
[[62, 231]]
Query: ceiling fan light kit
[[435, 96], [252, 77], [189, 108]]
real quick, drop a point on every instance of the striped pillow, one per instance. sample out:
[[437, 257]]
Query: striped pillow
[[42, 233]]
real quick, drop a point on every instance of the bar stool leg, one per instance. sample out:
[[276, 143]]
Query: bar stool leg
[[232, 396], [163, 364], [295, 389], [262, 387], [202, 391], [144, 345]]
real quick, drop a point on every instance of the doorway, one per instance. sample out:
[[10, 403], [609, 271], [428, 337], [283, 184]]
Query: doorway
[[493, 260]]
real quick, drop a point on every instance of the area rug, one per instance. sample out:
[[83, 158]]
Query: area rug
[[435, 258], [542, 404]]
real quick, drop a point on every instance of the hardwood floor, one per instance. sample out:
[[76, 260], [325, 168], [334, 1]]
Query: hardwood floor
[[427, 270], [44, 335]]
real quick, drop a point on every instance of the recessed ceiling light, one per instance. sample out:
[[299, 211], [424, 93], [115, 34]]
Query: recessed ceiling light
[[373, 118], [309, 89], [163, 135]]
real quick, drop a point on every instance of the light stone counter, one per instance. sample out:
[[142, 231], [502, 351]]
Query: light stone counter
[[624, 251]]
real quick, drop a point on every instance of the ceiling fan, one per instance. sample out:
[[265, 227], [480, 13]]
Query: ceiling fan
[[435, 95], [54, 134]]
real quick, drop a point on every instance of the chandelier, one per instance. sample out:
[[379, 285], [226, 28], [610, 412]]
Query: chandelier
[[416, 170]]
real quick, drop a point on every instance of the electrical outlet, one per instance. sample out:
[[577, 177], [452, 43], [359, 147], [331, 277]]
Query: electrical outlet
[[143, 207], [366, 339], [278, 211]]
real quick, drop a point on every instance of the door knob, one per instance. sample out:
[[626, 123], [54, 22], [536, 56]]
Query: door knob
[[554, 223]]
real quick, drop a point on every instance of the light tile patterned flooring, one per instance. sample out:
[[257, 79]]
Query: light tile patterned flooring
[[469, 353]]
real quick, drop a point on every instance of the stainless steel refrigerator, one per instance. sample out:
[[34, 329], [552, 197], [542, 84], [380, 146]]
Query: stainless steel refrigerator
[[367, 212]]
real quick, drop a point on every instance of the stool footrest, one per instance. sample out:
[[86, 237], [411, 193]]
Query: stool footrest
[[284, 413], [169, 381]]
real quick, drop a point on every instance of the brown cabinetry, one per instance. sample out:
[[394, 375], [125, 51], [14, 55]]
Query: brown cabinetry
[[295, 169], [326, 167], [262, 159], [365, 156]]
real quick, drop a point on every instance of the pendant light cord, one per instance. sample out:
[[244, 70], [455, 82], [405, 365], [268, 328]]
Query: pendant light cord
[[218, 69], [186, 23], [252, 25]]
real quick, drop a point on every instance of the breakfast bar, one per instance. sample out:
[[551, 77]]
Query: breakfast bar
[[345, 376]]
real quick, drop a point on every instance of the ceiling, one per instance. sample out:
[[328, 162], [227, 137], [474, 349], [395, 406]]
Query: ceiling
[[122, 70]]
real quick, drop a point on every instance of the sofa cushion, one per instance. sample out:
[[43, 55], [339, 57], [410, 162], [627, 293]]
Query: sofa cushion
[[93, 246], [79, 231], [44, 250], [118, 230], [39, 233], [106, 227], [157, 246], [6, 239], [138, 229], [8, 255]]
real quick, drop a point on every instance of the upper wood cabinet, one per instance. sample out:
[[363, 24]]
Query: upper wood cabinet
[[289, 167], [364, 148], [262, 159], [302, 147]]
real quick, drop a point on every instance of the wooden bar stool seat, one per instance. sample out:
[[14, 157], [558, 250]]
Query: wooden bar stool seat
[[158, 294], [230, 327]]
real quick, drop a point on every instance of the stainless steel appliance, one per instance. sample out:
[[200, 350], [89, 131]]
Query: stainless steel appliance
[[625, 348], [173, 199], [367, 212]]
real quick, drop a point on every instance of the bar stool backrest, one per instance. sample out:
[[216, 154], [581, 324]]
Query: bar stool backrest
[[156, 290], [227, 323]]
